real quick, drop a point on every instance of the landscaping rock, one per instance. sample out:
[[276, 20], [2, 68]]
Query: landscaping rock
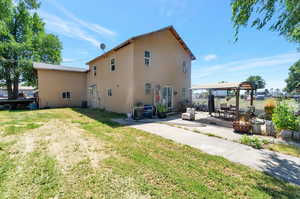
[[286, 134], [270, 129], [296, 135]]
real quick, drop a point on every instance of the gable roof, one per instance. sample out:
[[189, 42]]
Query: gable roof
[[45, 66], [128, 41]]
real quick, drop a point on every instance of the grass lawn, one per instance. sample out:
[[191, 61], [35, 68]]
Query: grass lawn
[[285, 148], [80, 153]]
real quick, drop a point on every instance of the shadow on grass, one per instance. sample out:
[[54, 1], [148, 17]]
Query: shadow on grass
[[263, 183], [285, 169], [120, 119], [101, 116]]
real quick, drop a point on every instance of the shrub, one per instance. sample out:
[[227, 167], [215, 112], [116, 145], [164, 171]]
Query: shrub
[[269, 107], [161, 108], [284, 118], [252, 141]]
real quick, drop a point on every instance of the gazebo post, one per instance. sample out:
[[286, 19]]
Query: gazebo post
[[209, 97], [251, 97], [237, 111]]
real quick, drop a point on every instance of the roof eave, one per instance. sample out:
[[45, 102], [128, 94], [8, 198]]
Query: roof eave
[[171, 28]]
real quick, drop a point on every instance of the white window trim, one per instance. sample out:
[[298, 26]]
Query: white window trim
[[66, 98], [94, 66], [111, 65], [150, 58]]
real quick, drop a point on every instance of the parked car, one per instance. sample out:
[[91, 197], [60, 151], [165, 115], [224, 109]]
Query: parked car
[[259, 97]]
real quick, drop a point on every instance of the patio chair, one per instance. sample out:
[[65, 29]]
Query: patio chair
[[223, 110], [189, 115]]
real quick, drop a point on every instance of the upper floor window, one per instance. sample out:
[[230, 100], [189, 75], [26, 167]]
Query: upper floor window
[[112, 64], [147, 58], [147, 88], [95, 70], [66, 95], [109, 92], [184, 67]]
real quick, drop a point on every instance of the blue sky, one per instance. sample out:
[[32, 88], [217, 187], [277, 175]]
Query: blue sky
[[204, 25]]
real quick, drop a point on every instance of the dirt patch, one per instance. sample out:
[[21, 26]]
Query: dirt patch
[[64, 141]]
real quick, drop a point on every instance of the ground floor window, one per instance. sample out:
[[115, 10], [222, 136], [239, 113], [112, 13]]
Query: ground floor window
[[183, 93], [66, 95], [109, 92]]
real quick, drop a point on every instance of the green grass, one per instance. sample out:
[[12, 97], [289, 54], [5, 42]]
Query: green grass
[[138, 164], [285, 148], [16, 129]]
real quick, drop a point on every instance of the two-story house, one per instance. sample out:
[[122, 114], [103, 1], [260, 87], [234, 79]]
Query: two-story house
[[150, 68]]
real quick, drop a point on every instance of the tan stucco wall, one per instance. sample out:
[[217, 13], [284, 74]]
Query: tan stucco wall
[[128, 81], [52, 83], [120, 80], [167, 58]]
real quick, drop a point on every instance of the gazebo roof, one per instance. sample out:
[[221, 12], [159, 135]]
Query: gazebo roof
[[225, 86]]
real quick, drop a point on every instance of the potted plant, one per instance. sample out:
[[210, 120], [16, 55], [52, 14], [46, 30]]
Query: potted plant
[[242, 125], [138, 111], [161, 111]]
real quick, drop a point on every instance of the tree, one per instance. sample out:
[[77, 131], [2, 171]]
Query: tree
[[257, 81], [280, 15], [293, 81], [23, 40]]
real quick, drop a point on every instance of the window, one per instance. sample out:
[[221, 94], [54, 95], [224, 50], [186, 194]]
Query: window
[[183, 93], [109, 92], [113, 64], [147, 88], [95, 70], [147, 57], [184, 68], [66, 95]]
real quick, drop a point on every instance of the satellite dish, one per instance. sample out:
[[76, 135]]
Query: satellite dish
[[102, 46]]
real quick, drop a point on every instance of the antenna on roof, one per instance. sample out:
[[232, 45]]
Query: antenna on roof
[[102, 47]]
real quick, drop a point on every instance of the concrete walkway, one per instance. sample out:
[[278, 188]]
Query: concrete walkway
[[279, 165]]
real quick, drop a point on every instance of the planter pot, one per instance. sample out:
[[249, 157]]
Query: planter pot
[[257, 126], [138, 113], [161, 114], [256, 129], [241, 127]]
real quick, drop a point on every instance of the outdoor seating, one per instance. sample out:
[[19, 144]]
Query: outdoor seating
[[189, 115]]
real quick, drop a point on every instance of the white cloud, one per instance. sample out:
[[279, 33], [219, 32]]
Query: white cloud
[[91, 26], [173, 7], [240, 65], [65, 60], [210, 57], [84, 52], [66, 28]]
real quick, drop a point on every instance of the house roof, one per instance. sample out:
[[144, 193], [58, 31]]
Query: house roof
[[44, 66], [225, 86], [128, 41]]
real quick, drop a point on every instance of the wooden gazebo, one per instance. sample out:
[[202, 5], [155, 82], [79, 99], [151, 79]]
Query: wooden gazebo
[[236, 86]]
